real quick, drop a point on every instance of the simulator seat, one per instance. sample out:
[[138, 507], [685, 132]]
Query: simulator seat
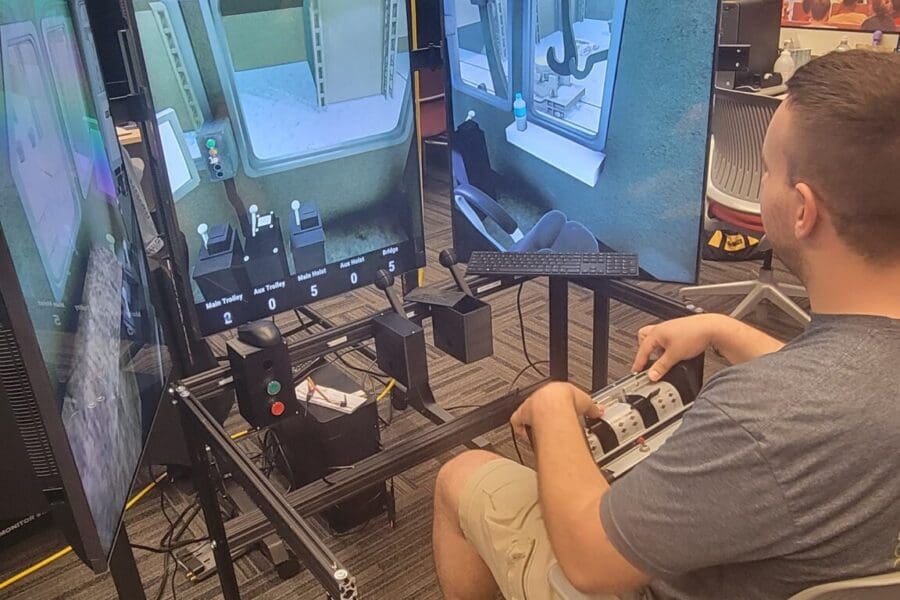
[[877, 587], [474, 190]]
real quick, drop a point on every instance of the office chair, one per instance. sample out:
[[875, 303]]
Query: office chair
[[432, 111], [878, 587], [477, 216], [740, 120]]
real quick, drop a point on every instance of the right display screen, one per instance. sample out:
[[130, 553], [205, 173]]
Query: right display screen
[[581, 126]]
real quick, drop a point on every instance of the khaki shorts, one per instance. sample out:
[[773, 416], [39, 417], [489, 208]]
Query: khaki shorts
[[500, 515]]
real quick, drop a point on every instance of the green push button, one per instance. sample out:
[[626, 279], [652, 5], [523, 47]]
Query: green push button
[[273, 387], [210, 143]]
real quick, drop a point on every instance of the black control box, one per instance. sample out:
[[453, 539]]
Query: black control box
[[261, 367]]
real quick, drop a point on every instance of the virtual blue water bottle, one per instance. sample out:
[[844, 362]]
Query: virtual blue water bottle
[[519, 111]]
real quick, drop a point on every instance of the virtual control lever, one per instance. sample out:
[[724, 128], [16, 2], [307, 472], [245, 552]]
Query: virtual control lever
[[384, 281], [449, 261]]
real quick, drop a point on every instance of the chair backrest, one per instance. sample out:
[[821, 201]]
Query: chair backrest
[[739, 124], [877, 587], [470, 143]]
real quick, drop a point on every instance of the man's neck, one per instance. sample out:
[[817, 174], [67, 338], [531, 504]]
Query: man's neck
[[855, 287]]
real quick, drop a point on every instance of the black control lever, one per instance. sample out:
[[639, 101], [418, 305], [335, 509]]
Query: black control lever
[[384, 281], [449, 261]]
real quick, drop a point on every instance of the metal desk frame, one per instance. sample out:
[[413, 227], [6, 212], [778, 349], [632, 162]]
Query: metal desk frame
[[286, 514]]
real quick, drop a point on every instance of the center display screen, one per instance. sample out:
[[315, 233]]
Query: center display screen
[[289, 136]]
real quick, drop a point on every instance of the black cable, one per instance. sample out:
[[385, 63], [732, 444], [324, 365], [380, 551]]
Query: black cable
[[531, 363], [161, 590], [271, 459], [462, 406], [169, 548], [380, 377], [522, 372]]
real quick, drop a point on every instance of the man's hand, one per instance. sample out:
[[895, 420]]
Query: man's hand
[[553, 396], [677, 340], [685, 338]]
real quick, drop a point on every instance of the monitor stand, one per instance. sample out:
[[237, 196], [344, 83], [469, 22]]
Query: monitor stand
[[123, 568]]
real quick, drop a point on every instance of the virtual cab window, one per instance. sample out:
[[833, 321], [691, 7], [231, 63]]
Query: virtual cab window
[[571, 54], [312, 80], [478, 36]]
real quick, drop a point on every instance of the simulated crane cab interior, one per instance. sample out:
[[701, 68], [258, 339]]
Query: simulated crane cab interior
[[571, 119], [265, 108]]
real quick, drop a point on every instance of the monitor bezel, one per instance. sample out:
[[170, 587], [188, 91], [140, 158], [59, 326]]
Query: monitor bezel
[[68, 503], [64, 492]]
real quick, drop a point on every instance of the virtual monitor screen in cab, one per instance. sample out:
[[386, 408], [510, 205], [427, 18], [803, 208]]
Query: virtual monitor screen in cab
[[290, 146], [581, 125]]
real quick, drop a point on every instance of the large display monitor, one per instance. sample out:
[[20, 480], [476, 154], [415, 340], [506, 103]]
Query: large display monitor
[[844, 15], [299, 118], [82, 363], [581, 125]]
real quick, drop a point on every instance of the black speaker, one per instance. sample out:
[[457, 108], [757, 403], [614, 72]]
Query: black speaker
[[322, 441]]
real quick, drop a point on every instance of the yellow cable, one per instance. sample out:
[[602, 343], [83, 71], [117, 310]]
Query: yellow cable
[[240, 434], [387, 390], [137, 498], [35, 567]]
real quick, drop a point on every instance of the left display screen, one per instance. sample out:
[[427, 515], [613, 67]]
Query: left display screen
[[288, 131], [75, 248]]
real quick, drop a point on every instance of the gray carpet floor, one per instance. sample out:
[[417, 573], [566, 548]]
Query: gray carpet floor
[[388, 563]]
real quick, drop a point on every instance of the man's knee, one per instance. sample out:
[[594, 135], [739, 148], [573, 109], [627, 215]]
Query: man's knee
[[453, 476]]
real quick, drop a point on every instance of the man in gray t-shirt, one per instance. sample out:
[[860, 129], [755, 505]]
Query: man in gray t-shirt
[[786, 471], [784, 474]]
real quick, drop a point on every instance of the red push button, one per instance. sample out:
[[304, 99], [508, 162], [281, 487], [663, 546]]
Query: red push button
[[277, 408]]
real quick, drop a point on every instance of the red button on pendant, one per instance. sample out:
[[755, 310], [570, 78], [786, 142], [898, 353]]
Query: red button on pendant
[[277, 408]]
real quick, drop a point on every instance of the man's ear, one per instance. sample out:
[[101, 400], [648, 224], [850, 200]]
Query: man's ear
[[807, 213]]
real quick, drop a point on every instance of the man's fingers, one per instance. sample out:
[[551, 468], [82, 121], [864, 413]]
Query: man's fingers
[[662, 366], [643, 332], [518, 426], [595, 411], [645, 349]]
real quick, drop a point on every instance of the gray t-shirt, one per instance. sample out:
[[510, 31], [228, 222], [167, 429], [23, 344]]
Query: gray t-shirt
[[784, 474]]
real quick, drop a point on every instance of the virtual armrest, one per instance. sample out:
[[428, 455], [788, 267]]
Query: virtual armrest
[[486, 206]]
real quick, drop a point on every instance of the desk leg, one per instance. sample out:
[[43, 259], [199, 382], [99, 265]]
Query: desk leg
[[600, 359], [559, 329]]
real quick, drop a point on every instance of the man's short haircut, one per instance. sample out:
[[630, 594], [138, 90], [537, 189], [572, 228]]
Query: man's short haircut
[[846, 146]]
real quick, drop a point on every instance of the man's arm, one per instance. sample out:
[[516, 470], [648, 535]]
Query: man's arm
[[738, 342], [570, 487], [685, 338]]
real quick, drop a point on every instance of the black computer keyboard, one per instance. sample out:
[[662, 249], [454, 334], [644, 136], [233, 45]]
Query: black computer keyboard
[[602, 264]]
